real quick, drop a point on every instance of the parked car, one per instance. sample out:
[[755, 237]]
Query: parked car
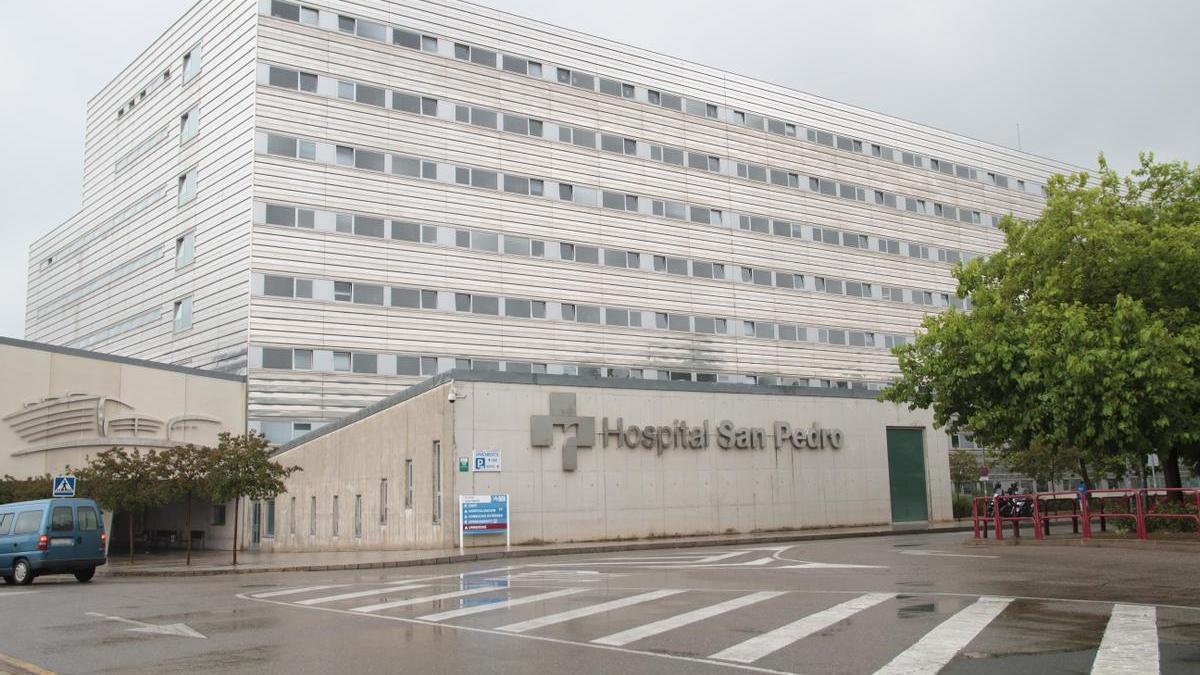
[[50, 536]]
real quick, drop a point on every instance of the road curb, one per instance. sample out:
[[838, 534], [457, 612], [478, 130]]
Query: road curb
[[531, 553]]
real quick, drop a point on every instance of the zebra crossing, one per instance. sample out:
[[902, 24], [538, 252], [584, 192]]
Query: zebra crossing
[[728, 628]]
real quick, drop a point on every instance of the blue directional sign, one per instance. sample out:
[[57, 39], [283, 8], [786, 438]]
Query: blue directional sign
[[486, 460], [64, 486], [484, 514]]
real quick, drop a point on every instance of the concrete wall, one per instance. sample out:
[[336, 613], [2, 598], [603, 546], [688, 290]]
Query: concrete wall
[[619, 492], [60, 407], [616, 492], [351, 462]]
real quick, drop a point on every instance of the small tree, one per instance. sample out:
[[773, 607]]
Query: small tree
[[964, 468], [125, 481], [185, 470], [242, 467]]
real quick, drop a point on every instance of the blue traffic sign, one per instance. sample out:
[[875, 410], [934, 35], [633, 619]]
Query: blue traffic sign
[[64, 486], [485, 514]]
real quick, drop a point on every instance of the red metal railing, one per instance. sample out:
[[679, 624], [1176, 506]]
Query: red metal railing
[[1087, 510]]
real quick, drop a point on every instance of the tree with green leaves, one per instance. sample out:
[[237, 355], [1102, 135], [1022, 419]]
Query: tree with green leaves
[[122, 481], [964, 468], [185, 471], [13, 489], [242, 467], [1082, 344]]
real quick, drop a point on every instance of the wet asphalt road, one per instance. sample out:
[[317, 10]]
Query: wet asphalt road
[[912, 603]]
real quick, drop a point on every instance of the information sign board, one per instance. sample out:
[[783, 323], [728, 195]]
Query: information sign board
[[483, 514]]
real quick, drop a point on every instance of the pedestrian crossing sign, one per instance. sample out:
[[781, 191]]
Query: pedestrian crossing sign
[[64, 486]]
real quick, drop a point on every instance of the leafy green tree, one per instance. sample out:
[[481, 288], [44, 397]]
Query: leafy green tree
[[964, 468], [1083, 341], [13, 489], [185, 470], [125, 481], [242, 467]]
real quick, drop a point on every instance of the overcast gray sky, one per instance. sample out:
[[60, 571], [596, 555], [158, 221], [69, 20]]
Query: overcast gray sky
[[1079, 76]]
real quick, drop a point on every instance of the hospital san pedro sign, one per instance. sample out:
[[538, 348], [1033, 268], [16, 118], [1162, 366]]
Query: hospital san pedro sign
[[725, 435]]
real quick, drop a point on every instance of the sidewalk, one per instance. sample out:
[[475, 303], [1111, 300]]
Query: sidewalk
[[218, 562]]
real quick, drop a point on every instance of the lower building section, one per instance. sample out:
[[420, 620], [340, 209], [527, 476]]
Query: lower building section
[[587, 459]]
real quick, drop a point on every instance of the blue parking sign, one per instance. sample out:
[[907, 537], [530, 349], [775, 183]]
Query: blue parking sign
[[64, 486]]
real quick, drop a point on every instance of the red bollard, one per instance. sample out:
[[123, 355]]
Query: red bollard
[[1085, 516]]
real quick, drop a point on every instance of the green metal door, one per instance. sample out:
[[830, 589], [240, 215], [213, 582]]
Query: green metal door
[[906, 474]]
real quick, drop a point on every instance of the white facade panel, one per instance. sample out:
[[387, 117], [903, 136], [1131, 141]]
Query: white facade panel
[[754, 232]]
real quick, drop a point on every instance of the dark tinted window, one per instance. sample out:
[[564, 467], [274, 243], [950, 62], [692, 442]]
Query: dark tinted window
[[62, 520]]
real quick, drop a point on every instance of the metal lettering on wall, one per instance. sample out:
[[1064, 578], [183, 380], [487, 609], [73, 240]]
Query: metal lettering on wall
[[660, 438]]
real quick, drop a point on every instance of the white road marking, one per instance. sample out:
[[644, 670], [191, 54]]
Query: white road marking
[[572, 576], [680, 620], [759, 646], [830, 566], [721, 556], [360, 594], [581, 612], [933, 651], [1130, 642], [456, 575], [506, 604], [943, 554], [295, 591], [176, 629], [429, 598], [4, 593]]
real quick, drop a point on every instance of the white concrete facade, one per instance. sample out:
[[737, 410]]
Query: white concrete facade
[[615, 491], [385, 190]]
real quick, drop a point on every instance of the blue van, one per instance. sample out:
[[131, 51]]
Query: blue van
[[50, 536]]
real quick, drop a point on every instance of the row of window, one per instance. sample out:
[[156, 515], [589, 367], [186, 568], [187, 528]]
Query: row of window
[[484, 117], [528, 308], [372, 160], [509, 244], [152, 141], [650, 96], [81, 242], [189, 67], [268, 506], [118, 328], [303, 359]]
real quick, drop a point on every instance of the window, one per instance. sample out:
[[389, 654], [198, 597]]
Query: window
[[437, 482], [191, 64], [189, 125], [187, 186], [312, 515], [28, 522], [341, 362], [87, 520], [217, 518], [269, 520], [61, 519], [275, 358], [364, 363], [185, 247], [408, 484], [358, 515], [182, 314], [336, 515]]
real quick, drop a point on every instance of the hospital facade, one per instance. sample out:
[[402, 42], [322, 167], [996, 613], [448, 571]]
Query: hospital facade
[[338, 201]]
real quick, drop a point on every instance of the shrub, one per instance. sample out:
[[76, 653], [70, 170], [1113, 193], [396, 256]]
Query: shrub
[[962, 506]]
